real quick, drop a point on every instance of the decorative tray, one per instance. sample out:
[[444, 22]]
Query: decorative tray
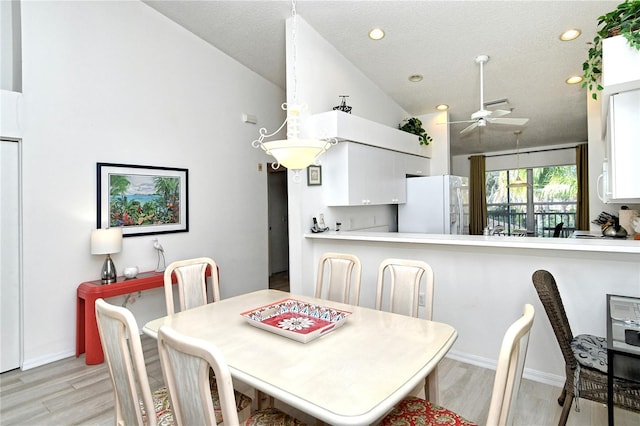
[[295, 319]]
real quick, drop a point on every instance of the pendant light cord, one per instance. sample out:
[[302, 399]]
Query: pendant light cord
[[294, 34]]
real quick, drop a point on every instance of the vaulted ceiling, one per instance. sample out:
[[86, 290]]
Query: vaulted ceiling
[[440, 40]]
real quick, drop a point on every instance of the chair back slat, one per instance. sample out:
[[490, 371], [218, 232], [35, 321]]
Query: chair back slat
[[123, 353], [513, 353], [337, 274], [192, 283], [398, 287]]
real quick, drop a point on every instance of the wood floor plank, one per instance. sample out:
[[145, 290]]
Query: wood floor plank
[[68, 392]]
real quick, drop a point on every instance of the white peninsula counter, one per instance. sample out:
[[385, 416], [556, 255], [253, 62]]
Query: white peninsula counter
[[482, 282]]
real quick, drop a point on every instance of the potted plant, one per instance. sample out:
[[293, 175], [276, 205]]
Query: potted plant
[[623, 20], [414, 125]]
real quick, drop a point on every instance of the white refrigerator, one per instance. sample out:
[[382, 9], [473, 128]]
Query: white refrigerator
[[435, 205]]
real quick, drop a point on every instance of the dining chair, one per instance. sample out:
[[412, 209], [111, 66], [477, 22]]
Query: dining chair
[[585, 357], [557, 230], [343, 271], [506, 384], [120, 340], [185, 363], [192, 283], [398, 288]]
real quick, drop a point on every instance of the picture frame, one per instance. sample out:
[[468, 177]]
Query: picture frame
[[314, 175], [143, 200]]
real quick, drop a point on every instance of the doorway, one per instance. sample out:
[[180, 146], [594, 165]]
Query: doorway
[[278, 212], [9, 256]]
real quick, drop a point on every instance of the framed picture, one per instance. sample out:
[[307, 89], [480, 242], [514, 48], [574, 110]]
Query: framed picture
[[143, 200], [314, 175]]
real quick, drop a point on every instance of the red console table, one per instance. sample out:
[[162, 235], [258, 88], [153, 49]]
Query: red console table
[[87, 337]]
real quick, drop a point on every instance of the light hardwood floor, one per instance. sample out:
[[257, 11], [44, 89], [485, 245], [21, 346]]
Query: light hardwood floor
[[68, 392]]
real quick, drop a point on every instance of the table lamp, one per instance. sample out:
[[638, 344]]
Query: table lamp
[[107, 241]]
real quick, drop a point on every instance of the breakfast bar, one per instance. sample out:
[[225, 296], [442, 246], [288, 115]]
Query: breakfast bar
[[486, 280]]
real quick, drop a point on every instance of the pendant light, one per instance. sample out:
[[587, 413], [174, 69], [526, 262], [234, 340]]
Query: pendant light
[[518, 183], [293, 153]]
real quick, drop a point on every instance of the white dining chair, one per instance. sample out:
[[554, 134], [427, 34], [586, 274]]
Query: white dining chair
[[506, 385], [192, 283], [186, 362], [398, 287], [120, 340], [398, 290], [343, 272]]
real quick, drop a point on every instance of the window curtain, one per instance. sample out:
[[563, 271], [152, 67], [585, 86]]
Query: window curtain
[[477, 195], [582, 173]]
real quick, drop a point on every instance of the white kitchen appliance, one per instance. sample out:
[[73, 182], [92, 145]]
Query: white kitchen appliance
[[435, 205]]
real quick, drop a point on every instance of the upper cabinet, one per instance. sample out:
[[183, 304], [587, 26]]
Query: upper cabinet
[[621, 121], [348, 127], [358, 175], [11, 117]]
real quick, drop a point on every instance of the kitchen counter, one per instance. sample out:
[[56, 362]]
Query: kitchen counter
[[482, 282], [606, 245]]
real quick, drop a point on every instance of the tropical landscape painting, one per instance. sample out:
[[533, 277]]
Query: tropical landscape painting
[[142, 199]]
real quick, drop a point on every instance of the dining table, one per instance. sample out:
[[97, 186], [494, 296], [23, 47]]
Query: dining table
[[353, 374]]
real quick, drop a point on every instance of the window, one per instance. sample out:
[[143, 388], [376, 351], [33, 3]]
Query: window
[[535, 209]]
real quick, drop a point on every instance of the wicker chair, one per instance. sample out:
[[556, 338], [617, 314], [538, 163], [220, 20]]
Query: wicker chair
[[583, 380]]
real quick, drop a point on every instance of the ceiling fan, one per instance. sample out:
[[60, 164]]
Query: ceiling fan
[[482, 117]]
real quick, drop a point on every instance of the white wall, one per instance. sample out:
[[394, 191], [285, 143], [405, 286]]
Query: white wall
[[118, 82], [322, 75]]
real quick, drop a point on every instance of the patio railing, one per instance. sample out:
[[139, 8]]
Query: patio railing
[[513, 217]]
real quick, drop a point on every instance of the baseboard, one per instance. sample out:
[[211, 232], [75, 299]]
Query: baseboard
[[528, 373], [37, 362]]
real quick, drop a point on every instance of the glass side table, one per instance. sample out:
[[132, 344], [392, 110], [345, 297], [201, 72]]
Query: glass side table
[[623, 343]]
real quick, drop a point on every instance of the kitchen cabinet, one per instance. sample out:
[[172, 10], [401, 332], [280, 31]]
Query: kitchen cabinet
[[414, 165], [355, 175], [619, 182], [622, 182]]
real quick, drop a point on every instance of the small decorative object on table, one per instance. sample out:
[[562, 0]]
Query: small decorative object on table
[[414, 125], [343, 105], [130, 272], [161, 261]]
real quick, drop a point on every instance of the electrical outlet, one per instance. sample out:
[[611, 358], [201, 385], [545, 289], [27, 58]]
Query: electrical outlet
[[421, 299]]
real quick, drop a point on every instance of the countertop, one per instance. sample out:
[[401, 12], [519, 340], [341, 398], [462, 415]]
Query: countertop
[[606, 245]]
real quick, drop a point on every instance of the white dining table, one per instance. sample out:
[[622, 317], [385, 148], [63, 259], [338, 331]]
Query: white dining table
[[352, 375]]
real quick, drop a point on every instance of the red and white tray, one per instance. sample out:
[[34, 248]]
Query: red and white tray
[[295, 319]]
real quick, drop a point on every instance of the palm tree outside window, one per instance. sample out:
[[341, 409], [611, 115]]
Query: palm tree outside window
[[537, 208]]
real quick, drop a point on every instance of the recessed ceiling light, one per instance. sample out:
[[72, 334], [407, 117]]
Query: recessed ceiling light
[[415, 78], [570, 35], [573, 79], [442, 107], [376, 34]]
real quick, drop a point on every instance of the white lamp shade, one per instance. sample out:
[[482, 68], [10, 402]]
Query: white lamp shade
[[106, 241], [296, 153]]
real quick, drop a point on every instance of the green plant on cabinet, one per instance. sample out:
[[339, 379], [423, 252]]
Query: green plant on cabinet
[[623, 20], [414, 125]]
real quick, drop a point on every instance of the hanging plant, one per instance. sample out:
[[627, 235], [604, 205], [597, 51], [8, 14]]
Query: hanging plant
[[414, 125], [623, 20]]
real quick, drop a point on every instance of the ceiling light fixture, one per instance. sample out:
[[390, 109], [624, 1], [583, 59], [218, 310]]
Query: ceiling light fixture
[[415, 78], [293, 153], [570, 34], [442, 107], [574, 79], [518, 182], [376, 34]]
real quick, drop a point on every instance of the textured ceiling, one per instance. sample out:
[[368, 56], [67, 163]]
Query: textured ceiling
[[438, 39]]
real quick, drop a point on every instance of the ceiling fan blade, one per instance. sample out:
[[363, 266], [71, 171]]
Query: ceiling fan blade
[[469, 128], [462, 121], [511, 121], [499, 113]]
